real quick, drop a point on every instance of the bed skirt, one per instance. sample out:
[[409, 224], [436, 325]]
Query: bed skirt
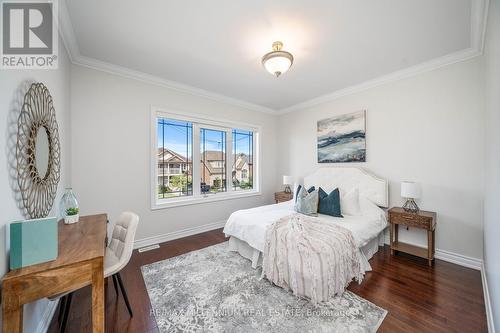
[[255, 256]]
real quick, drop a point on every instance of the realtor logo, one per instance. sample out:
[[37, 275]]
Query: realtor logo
[[29, 35]]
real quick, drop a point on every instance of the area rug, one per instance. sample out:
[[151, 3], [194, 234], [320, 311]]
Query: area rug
[[213, 290]]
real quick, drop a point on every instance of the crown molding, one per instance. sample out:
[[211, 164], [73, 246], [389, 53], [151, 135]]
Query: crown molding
[[385, 79], [179, 87], [479, 20], [68, 36], [479, 14], [67, 32], [479, 17]]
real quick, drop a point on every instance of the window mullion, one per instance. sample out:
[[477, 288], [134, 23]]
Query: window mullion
[[196, 161], [255, 161]]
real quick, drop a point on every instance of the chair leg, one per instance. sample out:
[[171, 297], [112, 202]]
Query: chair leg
[[62, 307], [67, 307], [124, 293], [115, 283]]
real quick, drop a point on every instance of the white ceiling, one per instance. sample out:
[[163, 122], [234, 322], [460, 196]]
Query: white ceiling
[[217, 45]]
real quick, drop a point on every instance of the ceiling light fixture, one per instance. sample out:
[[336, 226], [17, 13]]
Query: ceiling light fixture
[[277, 62]]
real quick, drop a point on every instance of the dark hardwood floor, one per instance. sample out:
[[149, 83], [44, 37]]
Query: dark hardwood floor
[[442, 298]]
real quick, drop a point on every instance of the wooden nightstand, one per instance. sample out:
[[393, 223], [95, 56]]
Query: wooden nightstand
[[422, 219], [282, 196]]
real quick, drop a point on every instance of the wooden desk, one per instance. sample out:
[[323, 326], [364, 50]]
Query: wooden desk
[[79, 263]]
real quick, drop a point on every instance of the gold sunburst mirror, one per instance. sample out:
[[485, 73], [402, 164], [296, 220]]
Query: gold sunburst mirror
[[38, 151]]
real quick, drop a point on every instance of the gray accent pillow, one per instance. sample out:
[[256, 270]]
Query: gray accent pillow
[[307, 203]]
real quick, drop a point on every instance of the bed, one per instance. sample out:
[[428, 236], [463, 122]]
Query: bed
[[246, 228]]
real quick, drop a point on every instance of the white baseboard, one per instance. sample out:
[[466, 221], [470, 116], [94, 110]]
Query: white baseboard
[[451, 257], [178, 234], [487, 301], [459, 259], [44, 323]]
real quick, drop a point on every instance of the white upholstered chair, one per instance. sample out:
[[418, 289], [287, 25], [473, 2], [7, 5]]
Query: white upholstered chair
[[118, 253]]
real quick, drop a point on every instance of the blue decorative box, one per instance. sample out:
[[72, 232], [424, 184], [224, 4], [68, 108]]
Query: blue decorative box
[[33, 242]]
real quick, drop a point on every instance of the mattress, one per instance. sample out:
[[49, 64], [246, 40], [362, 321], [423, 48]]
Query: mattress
[[249, 225]]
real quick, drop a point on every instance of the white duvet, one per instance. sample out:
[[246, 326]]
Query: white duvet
[[250, 225]]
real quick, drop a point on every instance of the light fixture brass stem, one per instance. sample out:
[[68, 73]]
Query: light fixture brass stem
[[277, 46]]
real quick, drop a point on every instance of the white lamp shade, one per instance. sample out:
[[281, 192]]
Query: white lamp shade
[[410, 190], [287, 180], [277, 65]]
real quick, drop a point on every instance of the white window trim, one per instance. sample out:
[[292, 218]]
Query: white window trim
[[197, 198]]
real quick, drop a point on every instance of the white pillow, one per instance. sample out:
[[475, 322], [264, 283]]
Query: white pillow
[[349, 202], [368, 208]]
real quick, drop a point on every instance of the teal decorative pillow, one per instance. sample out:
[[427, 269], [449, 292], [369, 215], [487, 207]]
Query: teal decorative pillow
[[329, 204], [307, 203]]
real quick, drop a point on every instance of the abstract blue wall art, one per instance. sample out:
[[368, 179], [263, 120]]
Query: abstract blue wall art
[[342, 138]]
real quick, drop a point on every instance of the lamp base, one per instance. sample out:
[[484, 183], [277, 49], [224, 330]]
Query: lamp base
[[411, 206], [288, 189]]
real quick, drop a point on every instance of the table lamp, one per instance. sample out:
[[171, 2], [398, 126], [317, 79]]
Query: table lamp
[[287, 181], [410, 191]]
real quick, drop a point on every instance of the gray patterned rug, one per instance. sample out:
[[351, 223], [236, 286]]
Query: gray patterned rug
[[213, 290]]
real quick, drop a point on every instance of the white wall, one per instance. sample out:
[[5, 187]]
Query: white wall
[[111, 150], [13, 85], [429, 129], [492, 177]]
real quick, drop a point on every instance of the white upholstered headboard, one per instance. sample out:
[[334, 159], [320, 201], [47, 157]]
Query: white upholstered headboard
[[347, 178]]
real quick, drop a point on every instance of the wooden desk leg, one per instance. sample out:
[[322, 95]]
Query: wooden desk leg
[[433, 243], [430, 241], [392, 237], [98, 297], [12, 315], [396, 234]]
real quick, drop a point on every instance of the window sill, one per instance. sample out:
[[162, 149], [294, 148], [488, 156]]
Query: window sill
[[169, 203]]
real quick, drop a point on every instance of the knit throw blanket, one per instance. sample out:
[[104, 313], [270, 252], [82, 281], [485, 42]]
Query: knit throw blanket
[[314, 259]]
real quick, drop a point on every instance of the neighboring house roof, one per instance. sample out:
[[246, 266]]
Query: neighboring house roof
[[241, 160], [210, 155], [168, 155]]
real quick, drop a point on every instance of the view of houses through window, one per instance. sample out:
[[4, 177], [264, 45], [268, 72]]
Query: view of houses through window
[[175, 159], [213, 161], [242, 171], [175, 156]]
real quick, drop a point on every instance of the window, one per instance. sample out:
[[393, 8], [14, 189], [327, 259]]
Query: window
[[242, 160], [201, 160], [212, 161], [174, 143]]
